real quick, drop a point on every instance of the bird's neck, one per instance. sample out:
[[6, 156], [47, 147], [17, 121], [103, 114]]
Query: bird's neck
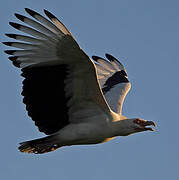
[[121, 127]]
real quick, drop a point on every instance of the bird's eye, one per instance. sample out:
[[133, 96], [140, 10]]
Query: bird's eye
[[137, 121]]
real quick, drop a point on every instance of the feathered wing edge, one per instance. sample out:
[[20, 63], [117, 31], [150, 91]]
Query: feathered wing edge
[[114, 81], [40, 46], [44, 44]]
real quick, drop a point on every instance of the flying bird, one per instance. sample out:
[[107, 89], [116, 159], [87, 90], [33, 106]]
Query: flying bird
[[71, 98]]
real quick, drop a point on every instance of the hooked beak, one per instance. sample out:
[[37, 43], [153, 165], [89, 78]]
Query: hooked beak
[[143, 125], [149, 123]]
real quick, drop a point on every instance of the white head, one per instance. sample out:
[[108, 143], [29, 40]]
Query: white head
[[130, 126]]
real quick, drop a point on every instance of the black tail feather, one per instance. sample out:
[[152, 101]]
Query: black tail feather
[[39, 146]]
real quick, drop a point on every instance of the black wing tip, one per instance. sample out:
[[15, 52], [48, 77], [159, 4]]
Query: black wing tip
[[95, 58], [11, 36], [15, 25], [124, 73], [110, 57], [20, 17], [10, 52], [7, 43], [49, 14], [16, 64], [31, 12], [13, 58]]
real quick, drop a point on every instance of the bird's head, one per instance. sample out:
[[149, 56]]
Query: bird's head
[[130, 126]]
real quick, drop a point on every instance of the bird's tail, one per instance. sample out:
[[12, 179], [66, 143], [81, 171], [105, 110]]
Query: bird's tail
[[39, 146]]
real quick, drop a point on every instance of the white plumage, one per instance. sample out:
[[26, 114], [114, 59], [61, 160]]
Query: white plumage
[[67, 95]]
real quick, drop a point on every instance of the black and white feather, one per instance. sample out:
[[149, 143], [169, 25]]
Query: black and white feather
[[113, 80]]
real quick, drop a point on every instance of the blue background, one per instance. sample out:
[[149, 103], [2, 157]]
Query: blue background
[[144, 35]]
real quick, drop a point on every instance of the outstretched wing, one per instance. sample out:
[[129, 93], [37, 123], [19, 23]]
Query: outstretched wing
[[60, 85], [113, 80]]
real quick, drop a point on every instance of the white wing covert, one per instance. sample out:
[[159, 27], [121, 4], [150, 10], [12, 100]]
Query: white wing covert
[[113, 80]]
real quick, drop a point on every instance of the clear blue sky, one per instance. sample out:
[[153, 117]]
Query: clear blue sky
[[145, 36]]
